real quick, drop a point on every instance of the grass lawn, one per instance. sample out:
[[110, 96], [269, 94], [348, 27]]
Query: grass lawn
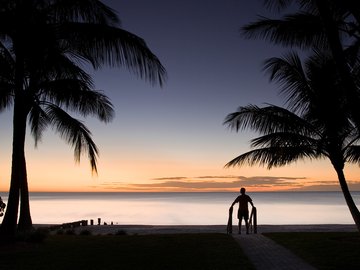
[[170, 251], [323, 250]]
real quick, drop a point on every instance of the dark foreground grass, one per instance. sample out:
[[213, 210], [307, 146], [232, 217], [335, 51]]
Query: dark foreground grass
[[172, 251], [323, 250]]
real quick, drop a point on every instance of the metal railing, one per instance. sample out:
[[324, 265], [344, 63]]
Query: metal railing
[[252, 221]]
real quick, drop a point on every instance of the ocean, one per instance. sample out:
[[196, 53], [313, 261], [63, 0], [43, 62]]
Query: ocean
[[188, 208]]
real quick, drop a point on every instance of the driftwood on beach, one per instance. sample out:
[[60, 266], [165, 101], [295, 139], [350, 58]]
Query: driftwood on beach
[[75, 224], [70, 225]]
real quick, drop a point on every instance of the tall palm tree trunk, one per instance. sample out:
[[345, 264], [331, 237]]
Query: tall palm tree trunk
[[8, 226], [18, 169], [348, 198], [25, 222]]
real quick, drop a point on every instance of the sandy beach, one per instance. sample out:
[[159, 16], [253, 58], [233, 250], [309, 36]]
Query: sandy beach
[[170, 229]]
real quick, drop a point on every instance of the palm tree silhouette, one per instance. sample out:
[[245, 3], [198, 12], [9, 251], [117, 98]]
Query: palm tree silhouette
[[316, 124], [43, 46], [332, 25]]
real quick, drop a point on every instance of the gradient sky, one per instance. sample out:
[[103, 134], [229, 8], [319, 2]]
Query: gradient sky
[[172, 138]]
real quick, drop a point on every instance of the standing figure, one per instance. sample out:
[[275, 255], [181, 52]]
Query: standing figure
[[243, 212]]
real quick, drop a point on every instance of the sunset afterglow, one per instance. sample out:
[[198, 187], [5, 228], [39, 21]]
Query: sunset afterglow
[[173, 138]]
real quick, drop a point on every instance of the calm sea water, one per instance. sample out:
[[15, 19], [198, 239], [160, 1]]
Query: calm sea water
[[188, 208]]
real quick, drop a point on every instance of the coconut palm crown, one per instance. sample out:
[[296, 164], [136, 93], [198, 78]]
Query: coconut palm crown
[[332, 25]]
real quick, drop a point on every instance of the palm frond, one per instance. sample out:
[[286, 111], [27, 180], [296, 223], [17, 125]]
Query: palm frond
[[277, 4], [6, 97], [273, 156], [101, 44], [92, 11], [300, 29], [285, 139], [57, 66], [266, 120], [289, 73], [352, 154], [75, 133], [76, 96], [6, 93], [38, 122], [97, 104]]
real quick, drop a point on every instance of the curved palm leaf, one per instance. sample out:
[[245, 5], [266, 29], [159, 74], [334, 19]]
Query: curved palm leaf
[[102, 44], [352, 154], [301, 29], [93, 11], [267, 120], [286, 139], [39, 121], [273, 156], [56, 65], [289, 73], [76, 96], [74, 132]]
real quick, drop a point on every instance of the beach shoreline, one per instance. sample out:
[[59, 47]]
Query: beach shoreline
[[175, 229]]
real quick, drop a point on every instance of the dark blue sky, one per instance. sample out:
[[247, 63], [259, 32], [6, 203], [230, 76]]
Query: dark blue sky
[[211, 69]]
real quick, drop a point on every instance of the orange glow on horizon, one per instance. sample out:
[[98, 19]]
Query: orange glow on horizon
[[156, 175]]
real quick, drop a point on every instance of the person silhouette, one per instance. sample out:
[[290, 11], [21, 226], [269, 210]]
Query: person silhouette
[[243, 212]]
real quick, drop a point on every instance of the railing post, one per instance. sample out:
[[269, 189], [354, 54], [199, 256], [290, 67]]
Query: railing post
[[229, 225], [255, 219]]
